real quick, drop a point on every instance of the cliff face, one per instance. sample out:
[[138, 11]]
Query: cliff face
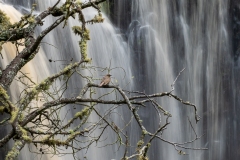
[[235, 26]]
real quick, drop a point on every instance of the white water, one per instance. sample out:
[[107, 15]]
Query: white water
[[164, 37], [106, 47], [31, 69], [191, 34]]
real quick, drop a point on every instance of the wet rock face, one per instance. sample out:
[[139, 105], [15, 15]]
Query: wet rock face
[[235, 13], [120, 13]]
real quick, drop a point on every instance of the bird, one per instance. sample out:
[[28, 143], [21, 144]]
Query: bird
[[105, 80]]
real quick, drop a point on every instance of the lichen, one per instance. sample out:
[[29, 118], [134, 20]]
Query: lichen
[[25, 135], [68, 71], [2, 109], [43, 86], [141, 157], [4, 21], [3, 93], [148, 145], [14, 115], [145, 132], [53, 142], [82, 113], [31, 20], [85, 36], [71, 137], [71, 131], [83, 48], [21, 117], [77, 30], [66, 8], [98, 18], [181, 152], [14, 152], [140, 143]]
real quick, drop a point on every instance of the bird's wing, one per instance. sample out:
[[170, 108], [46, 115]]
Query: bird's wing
[[106, 80], [103, 81]]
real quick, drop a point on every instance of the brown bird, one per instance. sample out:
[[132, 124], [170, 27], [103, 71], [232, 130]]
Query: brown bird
[[106, 80]]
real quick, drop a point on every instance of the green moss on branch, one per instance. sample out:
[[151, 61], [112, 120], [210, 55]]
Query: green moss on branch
[[82, 113], [14, 152]]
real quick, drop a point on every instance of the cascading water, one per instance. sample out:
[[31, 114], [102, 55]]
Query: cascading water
[[164, 37], [108, 50], [31, 69], [194, 35]]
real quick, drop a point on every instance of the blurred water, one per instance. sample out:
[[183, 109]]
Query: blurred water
[[61, 47], [163, 37], [171, 35], [31, 69]]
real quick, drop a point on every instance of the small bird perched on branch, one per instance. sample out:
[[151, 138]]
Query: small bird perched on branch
[[106, 80]]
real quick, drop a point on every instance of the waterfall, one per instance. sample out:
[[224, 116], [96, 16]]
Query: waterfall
[[158, 39], [61, 47], [31, 69], [196, 35]]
